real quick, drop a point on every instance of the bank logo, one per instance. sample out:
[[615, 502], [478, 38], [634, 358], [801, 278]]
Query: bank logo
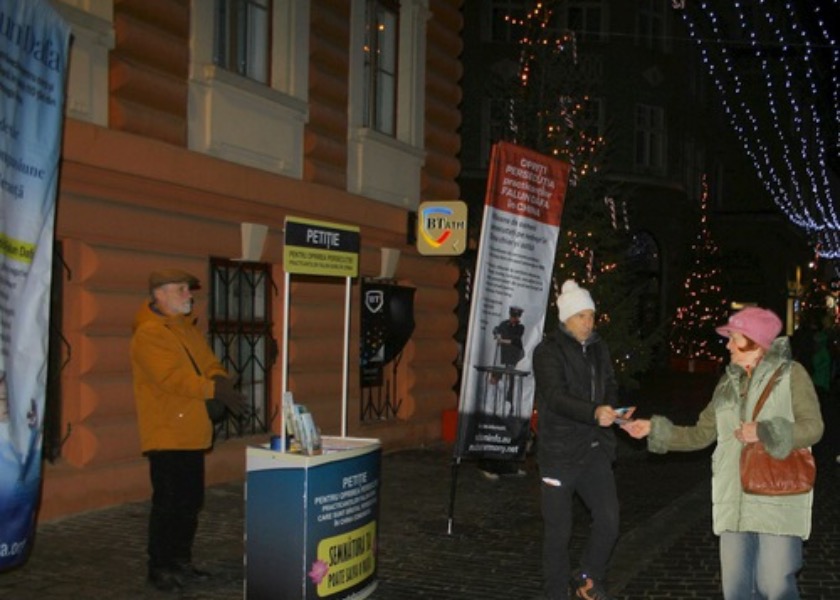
[[442, 228], [374, 300]]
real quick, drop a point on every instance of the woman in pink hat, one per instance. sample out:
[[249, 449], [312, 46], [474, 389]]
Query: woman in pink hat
[[760, 536]]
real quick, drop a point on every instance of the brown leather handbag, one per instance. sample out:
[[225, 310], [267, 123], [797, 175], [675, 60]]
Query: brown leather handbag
[[767, 476]]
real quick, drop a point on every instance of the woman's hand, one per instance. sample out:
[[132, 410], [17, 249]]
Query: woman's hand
[[747, 433], [638, 428]]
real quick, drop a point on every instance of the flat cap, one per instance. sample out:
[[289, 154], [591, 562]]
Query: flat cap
[[164, 276]]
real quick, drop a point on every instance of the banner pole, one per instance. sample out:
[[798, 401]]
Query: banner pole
[[456, 462], [285, 371], [345, 366]]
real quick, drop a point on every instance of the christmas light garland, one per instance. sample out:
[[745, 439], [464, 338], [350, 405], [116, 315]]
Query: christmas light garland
[[796, 62]]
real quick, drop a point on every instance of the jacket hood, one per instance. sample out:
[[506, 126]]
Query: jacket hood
[[779, 350]]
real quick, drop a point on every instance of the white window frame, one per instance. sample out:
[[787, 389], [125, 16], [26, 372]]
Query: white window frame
[[92, 24], [650, 140], [379, 166], [381, 75], [242, 120]]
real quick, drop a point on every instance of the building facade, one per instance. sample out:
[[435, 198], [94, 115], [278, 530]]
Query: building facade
[[186, 119]]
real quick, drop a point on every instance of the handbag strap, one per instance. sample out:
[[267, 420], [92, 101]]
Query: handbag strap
[[766, 392]]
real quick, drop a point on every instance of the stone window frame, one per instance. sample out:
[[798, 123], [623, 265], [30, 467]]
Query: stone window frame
[[236, 118]]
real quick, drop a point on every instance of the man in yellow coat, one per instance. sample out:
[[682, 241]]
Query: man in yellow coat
[[175, 374]]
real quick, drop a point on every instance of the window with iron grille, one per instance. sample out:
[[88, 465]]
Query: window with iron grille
[[240, 325]]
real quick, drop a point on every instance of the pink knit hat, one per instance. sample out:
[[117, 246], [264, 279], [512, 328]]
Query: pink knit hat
[[759, 324]]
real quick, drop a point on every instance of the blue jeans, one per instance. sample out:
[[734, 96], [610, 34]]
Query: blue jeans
[[759, 565]]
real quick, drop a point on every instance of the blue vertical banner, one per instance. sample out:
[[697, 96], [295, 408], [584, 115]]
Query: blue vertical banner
[[34, 45]]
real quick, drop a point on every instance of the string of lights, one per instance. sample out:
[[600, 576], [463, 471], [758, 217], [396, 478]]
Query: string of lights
[[779, 88]]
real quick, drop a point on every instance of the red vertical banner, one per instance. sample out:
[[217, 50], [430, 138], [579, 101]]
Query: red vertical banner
[[521, 223]]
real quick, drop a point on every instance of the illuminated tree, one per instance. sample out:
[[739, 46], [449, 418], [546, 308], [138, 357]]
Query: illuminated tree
[[704, 306], [545, 105]]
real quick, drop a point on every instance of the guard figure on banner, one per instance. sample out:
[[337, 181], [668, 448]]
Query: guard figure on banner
[[509, 351]]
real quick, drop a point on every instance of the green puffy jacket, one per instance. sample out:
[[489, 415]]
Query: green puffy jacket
[[170, 387], [789, 419]]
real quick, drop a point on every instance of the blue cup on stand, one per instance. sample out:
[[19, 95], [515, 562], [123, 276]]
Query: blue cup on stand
[[276, 443]]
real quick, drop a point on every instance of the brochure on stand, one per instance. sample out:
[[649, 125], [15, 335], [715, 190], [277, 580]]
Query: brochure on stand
[[300, 425]]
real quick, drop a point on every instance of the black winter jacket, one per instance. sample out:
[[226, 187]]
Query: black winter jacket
[[572, 379]]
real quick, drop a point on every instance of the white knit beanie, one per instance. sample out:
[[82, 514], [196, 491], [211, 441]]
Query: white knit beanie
[[572, 300]]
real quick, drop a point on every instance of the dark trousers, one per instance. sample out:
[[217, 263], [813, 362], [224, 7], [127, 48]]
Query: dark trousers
[[177, 497], [594, 482]]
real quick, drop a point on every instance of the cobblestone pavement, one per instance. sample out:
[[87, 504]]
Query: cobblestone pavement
[[666, 548]]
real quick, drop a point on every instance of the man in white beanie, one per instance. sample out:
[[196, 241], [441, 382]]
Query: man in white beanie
[[575, 392]]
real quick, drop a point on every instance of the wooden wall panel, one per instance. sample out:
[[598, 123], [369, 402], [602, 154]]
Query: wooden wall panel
[[313, 351], [328, 79], [130, 204], [103, 312], [101, 443], [104, 354], [114, 395], [148, 71], [442, 101], [169, 15]]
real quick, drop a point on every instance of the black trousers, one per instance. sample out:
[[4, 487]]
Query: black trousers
[[593, 480], [177, 497]]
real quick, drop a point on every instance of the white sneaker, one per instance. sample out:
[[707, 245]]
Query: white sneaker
[[490, 475]]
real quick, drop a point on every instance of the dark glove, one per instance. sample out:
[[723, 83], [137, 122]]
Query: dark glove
[[225, 393]]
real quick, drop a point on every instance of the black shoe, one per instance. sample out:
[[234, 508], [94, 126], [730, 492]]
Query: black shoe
[[165, 580], [189, 572]]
